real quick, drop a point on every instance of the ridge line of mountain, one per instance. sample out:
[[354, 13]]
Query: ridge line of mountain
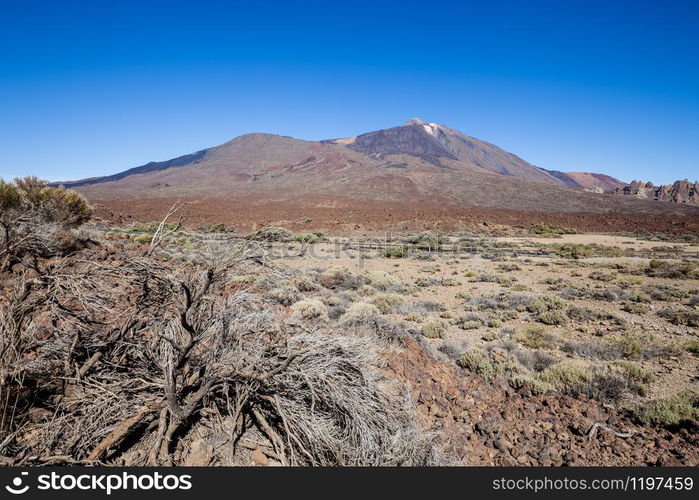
[[418, 161]]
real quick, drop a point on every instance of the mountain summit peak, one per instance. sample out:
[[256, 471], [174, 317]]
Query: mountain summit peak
[[430, 128], [414, 121]]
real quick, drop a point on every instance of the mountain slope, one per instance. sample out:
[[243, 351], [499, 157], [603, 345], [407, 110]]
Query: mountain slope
[[153, 166], [434, 143]]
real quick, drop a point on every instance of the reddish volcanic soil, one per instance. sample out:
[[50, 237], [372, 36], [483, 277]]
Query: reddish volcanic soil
[[340, 216]]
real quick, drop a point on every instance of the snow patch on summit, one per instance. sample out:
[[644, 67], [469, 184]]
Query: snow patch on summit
[[431, 128]]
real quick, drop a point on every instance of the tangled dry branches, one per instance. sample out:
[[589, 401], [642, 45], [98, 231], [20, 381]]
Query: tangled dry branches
[[131, 360]]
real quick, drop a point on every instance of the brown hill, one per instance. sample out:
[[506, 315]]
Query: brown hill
[[588, 180], [419, 163]]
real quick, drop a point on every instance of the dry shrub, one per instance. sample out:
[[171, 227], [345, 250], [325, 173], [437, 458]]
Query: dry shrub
[[534, 360], [434, 328], [387, 302], [536, 337], [552, 318], [477, 361], [673, 411], [126, 361], [310, 309], [672, 269], [606, 383], [360, 312], [363, 319], [271, 233], [334, 378], [285, 295], [594, 350], [34, 219], [340, 278], [686, 317]]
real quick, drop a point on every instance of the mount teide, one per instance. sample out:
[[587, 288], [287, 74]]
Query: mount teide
[[422, 164]]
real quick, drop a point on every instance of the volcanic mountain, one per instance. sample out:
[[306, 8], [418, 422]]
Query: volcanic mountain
[[417, 163]]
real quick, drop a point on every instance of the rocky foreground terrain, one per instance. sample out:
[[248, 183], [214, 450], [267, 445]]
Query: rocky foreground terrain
[[485, 385], [493, 424], [156, 343]]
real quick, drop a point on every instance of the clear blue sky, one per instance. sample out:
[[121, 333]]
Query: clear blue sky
[[93, 88]]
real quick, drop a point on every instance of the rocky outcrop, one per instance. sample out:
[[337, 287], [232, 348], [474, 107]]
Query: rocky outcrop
[[679, 192]]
